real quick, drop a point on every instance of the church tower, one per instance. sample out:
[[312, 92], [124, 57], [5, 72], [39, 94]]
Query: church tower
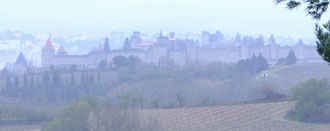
[[47, 54]]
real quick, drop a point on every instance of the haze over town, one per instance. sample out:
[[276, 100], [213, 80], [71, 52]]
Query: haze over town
[[170, 65]]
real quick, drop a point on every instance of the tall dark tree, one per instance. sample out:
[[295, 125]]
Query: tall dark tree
[[120, 61], [8, 83], [127, 44], [72, 80], [25, 81], [5, 72], [134, 61], [238, 39], [102, 65], [56, 79], [32, 82], [291, 59], [16, 83], [91, 78], [262, 63], [98, 76], [106, 45], [45, 78], [82, 79]]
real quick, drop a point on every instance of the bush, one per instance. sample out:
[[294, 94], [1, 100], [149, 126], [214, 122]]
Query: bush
[[311, 101]]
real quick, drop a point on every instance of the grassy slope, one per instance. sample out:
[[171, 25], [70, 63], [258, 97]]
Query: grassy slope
[[286, 77]]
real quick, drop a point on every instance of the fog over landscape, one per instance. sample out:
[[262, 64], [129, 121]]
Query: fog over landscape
[[169, 65]]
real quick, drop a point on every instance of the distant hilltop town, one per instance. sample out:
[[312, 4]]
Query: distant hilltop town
[[211, 48]]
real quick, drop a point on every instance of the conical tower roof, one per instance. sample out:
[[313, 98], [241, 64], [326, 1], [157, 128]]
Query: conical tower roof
[[61, 51], [300, 42], [49, 45], [20, 59]]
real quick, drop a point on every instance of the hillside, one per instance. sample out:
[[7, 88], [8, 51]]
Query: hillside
[[265, 116], [285, 77]]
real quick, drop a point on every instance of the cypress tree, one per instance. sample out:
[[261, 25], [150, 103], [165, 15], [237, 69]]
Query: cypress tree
[[72, 81], [16, 83], [45, 78], [263, 63], [291, 59], [8, 83], [82, 79], [32, 81], [91, 78], [98, 77], [106, 45], [25, 81]]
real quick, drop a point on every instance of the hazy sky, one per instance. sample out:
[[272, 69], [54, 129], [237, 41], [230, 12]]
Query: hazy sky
[[103, 16]]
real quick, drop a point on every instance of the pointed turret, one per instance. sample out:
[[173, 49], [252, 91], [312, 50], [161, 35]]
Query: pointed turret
[[300, 42], [47, 54], [49, 45], [21, 59], [271, 40], [61, 51], [238, 39]]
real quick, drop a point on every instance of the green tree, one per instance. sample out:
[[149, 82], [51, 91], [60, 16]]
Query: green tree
[[263, 63], [8, 83], [73, 68], [102, 65], [180, 98], [98, 76], [82, 79], [128, 100], [16, 82], [106, 45], [311, 99], [72, 80], [25, 81], [91, 78], [32, 83], [127, 44], [323, 43], [315, 8], [74, 117], [155, 103], [134, 61], [120, 61], [291, 59], [56, 79], [45, 78]]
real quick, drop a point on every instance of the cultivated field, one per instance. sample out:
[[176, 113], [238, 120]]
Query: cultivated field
[[20, 128], [251, 117], [242, 117]]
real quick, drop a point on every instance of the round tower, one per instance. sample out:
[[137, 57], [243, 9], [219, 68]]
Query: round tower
[[47, 54]]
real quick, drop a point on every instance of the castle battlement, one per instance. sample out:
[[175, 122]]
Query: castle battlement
[[213, 48]]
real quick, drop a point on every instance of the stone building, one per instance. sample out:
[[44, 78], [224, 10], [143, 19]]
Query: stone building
[[169, 49]]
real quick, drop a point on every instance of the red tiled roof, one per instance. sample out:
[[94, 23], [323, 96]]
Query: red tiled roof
[[49, 45], [100, 48]]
